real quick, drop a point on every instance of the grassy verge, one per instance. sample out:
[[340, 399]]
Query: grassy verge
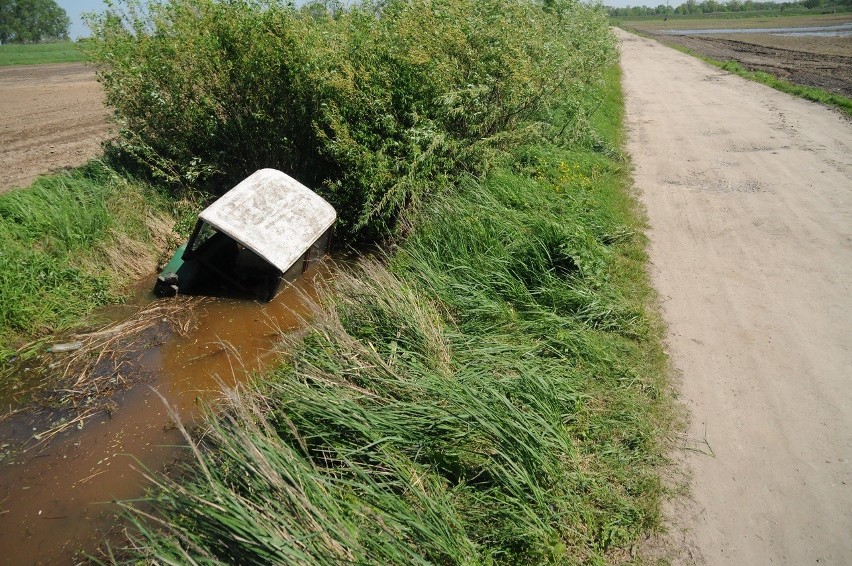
[[66, 52], [842, 103], [70, 243], [492, 393], [838, 101]]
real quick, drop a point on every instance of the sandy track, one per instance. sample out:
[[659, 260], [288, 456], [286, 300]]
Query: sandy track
[[826, 65], [749, 197], [51, 116]]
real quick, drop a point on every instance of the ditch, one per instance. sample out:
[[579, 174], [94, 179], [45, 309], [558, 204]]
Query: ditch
[[57, 491]]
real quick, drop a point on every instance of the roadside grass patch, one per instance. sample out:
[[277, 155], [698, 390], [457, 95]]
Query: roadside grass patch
[[70, 243], [40, 53], [492, 392]]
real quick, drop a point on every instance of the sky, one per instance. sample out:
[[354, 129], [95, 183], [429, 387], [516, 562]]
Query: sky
[[75, 10]]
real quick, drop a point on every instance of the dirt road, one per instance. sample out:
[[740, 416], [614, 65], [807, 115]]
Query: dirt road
[[51, 116], [823, 62], [749, 197]]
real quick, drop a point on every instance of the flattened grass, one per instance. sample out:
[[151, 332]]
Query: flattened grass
[[494, 392]]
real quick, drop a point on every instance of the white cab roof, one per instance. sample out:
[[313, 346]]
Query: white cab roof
[[272, 214]]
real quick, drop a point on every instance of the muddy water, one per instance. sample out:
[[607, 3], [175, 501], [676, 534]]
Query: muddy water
[[838, 30], [57, 500]]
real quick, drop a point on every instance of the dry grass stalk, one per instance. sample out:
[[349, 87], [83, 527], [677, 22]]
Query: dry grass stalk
[[95, 365]]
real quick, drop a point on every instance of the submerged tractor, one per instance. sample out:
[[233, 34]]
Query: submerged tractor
[[268, 229]]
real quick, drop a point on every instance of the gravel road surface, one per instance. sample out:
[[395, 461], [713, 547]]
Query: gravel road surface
[[749, 198]]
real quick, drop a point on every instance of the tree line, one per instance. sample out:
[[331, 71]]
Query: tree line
[[691, 7], [32, 21]]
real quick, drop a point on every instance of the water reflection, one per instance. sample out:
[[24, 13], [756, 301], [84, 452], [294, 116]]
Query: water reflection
[[838, 30]]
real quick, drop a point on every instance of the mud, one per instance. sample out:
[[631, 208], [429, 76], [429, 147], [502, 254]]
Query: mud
[[57, 498], [824, 63], [51, 117]]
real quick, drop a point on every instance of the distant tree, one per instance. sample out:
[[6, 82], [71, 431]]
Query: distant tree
[[691, 7], [721, 6], [32, 21]]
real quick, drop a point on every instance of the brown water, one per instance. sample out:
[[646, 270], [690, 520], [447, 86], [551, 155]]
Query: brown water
[[834, 30], [57, 500]]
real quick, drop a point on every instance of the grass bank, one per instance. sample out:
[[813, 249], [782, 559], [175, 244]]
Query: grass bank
[[64, 52], [492, 392], [73, 242]]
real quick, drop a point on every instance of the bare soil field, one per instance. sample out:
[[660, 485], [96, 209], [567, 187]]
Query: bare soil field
[[736, 21], [749, 199], [51, 117]]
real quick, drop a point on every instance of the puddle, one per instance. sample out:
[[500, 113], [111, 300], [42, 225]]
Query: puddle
[[57, 497], [838, 30]]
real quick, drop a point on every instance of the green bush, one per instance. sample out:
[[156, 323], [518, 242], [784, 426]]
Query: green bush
[[376, 105]]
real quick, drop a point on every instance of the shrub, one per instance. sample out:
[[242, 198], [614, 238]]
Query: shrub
[[377, 105]]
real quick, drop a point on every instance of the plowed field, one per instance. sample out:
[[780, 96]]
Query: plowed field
[[51, 117]]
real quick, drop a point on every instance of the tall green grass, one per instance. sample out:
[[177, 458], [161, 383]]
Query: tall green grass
[[36, 54], [493, 392], [72, 242]]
